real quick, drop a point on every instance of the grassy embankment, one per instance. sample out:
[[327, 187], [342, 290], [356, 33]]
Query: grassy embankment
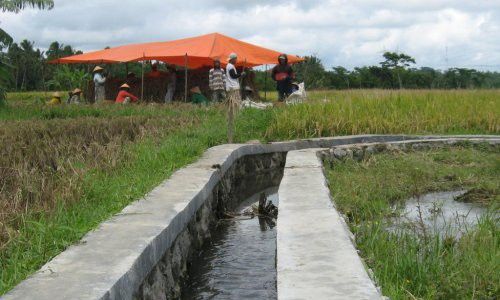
[[423, 266], [66, 169]]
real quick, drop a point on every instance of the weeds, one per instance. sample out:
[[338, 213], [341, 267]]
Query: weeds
[[423, 266]]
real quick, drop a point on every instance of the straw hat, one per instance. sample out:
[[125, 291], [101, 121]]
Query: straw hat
[[125, 86], [56, 95], [77, 91], [97, 69]]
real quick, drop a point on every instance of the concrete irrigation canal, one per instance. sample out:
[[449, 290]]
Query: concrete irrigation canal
[[196, 236]]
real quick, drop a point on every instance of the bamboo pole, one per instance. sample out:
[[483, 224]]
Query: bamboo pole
[[142, 81], [265, 82], [185, 77]]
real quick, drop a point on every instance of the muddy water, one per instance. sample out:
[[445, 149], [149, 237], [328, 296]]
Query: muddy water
[[438, 213], [240, 260]]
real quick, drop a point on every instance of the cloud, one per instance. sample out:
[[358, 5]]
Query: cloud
[[438, 33]]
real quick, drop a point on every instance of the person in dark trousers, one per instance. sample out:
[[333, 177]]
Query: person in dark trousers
[[283, 74]]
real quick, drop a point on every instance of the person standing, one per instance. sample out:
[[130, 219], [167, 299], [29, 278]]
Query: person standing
[[233, 92], [217, 82], [283, 74], [99, 83], [172, 83]]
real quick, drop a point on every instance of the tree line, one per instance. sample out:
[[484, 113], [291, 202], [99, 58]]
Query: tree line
[[28, 70], [396, 71]]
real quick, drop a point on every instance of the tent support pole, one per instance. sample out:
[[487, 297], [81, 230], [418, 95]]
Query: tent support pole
[[126, 69], [265, 83], [185, 77], [142, 81]]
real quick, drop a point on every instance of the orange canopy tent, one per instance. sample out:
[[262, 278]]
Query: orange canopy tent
[[192, 52]]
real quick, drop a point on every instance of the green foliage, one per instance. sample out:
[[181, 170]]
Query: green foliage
[[394, 72], [395, 60], [423, 267], [65, 78], [311, 72]]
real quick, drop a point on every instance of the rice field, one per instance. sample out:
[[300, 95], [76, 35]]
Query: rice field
[[65, 169], [390, 112]]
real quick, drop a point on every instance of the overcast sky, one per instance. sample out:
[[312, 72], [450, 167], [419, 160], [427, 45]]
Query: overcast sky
[[438, 33]]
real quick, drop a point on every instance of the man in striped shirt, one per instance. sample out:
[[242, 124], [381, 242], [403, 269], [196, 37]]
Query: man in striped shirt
[[217, 82]]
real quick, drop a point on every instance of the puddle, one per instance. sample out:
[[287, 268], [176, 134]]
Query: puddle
[[240, 261], [438, 213]]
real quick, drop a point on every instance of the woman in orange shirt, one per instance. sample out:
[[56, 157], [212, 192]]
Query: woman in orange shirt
[[124, 96]]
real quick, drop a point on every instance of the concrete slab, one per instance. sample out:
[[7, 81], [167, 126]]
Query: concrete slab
[[316, 258]]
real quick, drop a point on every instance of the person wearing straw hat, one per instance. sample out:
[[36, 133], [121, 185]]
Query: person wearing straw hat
[[124, 96], [56, 99], [74, 96], [99, 82]]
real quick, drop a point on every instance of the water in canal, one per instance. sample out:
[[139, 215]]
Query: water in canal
[[438, 213], [239, 262]]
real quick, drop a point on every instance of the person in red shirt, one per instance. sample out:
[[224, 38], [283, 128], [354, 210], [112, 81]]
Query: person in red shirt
[[124, 96], [283, 74]]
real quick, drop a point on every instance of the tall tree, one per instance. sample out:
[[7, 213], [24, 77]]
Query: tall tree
[[397, 62], [5, 39]]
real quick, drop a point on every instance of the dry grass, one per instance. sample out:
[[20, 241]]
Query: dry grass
[[42, 162]]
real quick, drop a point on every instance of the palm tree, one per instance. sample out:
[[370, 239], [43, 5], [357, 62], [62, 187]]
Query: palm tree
[[5, 39], [17, 5]]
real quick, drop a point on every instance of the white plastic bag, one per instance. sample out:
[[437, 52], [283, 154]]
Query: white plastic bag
[[298, 96]]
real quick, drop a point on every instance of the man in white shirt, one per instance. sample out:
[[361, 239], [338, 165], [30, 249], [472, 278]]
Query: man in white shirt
[[99, 81], [233, 92]]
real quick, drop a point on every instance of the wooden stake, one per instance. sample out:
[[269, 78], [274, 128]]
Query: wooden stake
[[142, 81], [185, 77], [265, 83]]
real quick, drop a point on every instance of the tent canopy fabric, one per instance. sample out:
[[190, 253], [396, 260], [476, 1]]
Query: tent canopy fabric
[[194, 52]]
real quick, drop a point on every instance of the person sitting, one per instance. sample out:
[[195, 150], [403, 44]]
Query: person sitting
[[197, 97], [74, 96], [56, 99], [124, 96]]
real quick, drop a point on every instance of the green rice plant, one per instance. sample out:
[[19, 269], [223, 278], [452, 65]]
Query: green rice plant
[[333, 113]]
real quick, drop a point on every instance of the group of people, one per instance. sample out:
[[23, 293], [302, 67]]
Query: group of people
[[224, 85], [74, 97], [124, 95]]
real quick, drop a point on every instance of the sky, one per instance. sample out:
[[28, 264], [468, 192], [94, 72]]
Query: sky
[[437, 33]]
